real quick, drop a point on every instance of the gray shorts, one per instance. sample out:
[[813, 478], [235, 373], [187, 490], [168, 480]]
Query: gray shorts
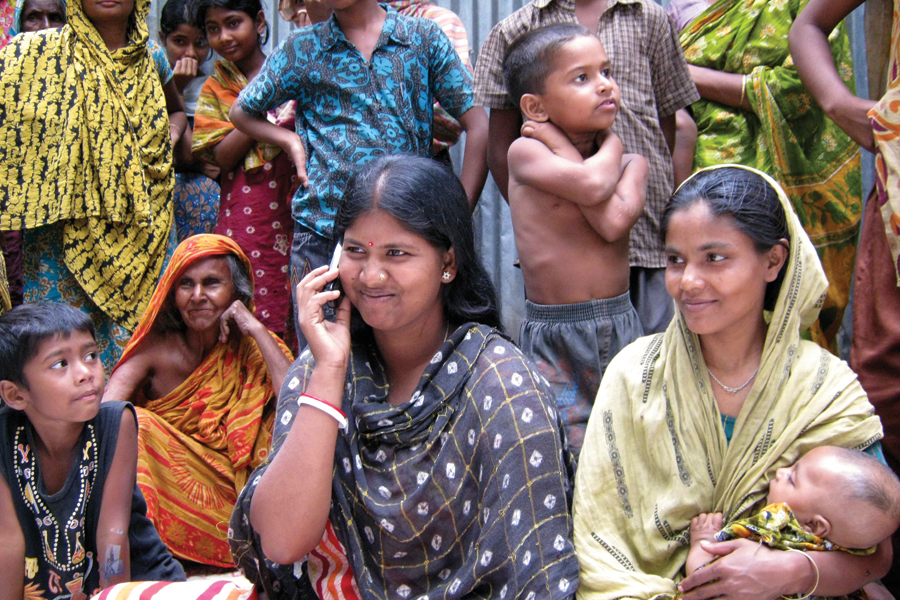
[[572, 345]]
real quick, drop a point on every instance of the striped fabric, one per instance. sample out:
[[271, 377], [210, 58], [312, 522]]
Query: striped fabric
[[329, 569], [222, 589]]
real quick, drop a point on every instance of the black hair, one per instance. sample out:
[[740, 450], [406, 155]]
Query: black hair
[[196, 12], [169, 318], [24, 328], [871, 482], [173, 14], [750, 202], [532, 57], [428, 199]]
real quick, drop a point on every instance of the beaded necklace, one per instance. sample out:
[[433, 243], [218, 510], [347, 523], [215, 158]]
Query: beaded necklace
[[50, 531]]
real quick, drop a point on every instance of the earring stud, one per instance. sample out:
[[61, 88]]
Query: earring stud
[[446, 276]]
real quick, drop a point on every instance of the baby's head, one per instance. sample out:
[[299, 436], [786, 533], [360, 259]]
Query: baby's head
[[560, 73], [49, 364], [844, 496]]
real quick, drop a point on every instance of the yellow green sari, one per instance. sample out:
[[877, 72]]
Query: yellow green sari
[[786, 135]]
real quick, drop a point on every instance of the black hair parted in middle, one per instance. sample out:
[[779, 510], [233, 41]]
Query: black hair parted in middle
[[196, 11], [428, 199], [532, 57]]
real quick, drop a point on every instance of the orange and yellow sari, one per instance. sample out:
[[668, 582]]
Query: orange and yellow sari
[[198, 445]]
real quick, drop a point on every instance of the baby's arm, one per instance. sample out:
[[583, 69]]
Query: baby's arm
[[12, 548], [704, 528], [113, 551]]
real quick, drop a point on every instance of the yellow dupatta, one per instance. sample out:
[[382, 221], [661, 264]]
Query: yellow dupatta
[[84, 140], [199, 443], [655, 452]]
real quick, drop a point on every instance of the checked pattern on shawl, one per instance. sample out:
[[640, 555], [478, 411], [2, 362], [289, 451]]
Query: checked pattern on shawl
[[462, 492]]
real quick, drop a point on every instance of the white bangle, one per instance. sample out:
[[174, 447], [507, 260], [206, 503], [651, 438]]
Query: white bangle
[[337, 414]]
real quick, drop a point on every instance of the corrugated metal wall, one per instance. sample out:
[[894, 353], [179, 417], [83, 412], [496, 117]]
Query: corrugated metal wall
[[493, 228]]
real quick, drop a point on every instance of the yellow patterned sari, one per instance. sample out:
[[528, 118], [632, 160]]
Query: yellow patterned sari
[[785, 135], [198, 445], [84, 143]]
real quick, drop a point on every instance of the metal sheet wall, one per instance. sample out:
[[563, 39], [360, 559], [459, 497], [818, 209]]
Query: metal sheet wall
[[493, 228]]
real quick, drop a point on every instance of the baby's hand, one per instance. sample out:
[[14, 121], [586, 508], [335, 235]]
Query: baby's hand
[[703, 529], [547, 133], [705, 526]]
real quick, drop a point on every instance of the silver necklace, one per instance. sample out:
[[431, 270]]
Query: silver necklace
[[733, 390]]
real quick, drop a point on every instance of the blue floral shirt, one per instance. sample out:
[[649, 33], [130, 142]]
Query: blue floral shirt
[[351, 111]]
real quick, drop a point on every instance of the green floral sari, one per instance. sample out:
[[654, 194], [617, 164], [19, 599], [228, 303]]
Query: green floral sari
[[786, 135]]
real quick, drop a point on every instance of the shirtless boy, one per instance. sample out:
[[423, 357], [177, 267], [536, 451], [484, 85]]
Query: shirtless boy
[[574, 197]]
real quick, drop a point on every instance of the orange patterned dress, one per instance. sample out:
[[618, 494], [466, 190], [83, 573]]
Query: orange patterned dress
[[198, 445]]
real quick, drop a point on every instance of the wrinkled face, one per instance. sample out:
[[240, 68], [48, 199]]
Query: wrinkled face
[[107, 10], [65, 380], [233, 34], [714, 272], [393, 276], [203, 292], [42, 14], [185, 40], [580, 95]]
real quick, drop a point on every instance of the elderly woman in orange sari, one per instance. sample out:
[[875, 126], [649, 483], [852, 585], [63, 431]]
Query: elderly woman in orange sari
[[203, 374]]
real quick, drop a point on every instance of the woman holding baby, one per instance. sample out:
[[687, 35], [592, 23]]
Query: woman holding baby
[[699, 419]]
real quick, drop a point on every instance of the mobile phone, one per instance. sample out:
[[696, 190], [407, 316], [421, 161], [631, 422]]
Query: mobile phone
[[336, 284]]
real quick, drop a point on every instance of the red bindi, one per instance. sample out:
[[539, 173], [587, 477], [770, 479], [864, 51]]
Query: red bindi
[[371, 243]]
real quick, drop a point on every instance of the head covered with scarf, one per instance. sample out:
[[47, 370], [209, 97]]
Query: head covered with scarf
[[84, 140], [199, 443], [655, 449]]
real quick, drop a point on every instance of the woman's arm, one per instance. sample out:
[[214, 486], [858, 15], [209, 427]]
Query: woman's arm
[[260, 129], [724, 88], [129, 376], [751, 571], [12, 548], [474, 169], [113, 551], [815, 65], [290, 505], [276, 360]]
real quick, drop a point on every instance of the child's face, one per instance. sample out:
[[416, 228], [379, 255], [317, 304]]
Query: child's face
[[186, 40], [233, 34], [65, 380], [107, 10], [812, 487], [579, 95]]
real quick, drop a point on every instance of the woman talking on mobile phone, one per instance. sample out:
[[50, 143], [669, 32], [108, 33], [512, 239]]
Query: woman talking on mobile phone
[[411, 425]]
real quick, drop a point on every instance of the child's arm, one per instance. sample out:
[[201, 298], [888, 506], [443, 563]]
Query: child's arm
[[614, 219], [231, 150], [474, 169], [704, 528], [177, 123], [12, 548], [551, 136], [260, 129], [586, 182], [113, 551]]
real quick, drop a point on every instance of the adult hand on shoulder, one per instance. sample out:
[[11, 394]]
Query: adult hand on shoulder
[[184, 72], [329, 342], [745, 570], [246, 323]]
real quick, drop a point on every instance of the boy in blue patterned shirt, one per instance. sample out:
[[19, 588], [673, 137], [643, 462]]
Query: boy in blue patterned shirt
[[365, 81]]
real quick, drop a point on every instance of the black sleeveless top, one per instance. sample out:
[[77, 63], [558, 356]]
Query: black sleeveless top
[[61, 558]]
